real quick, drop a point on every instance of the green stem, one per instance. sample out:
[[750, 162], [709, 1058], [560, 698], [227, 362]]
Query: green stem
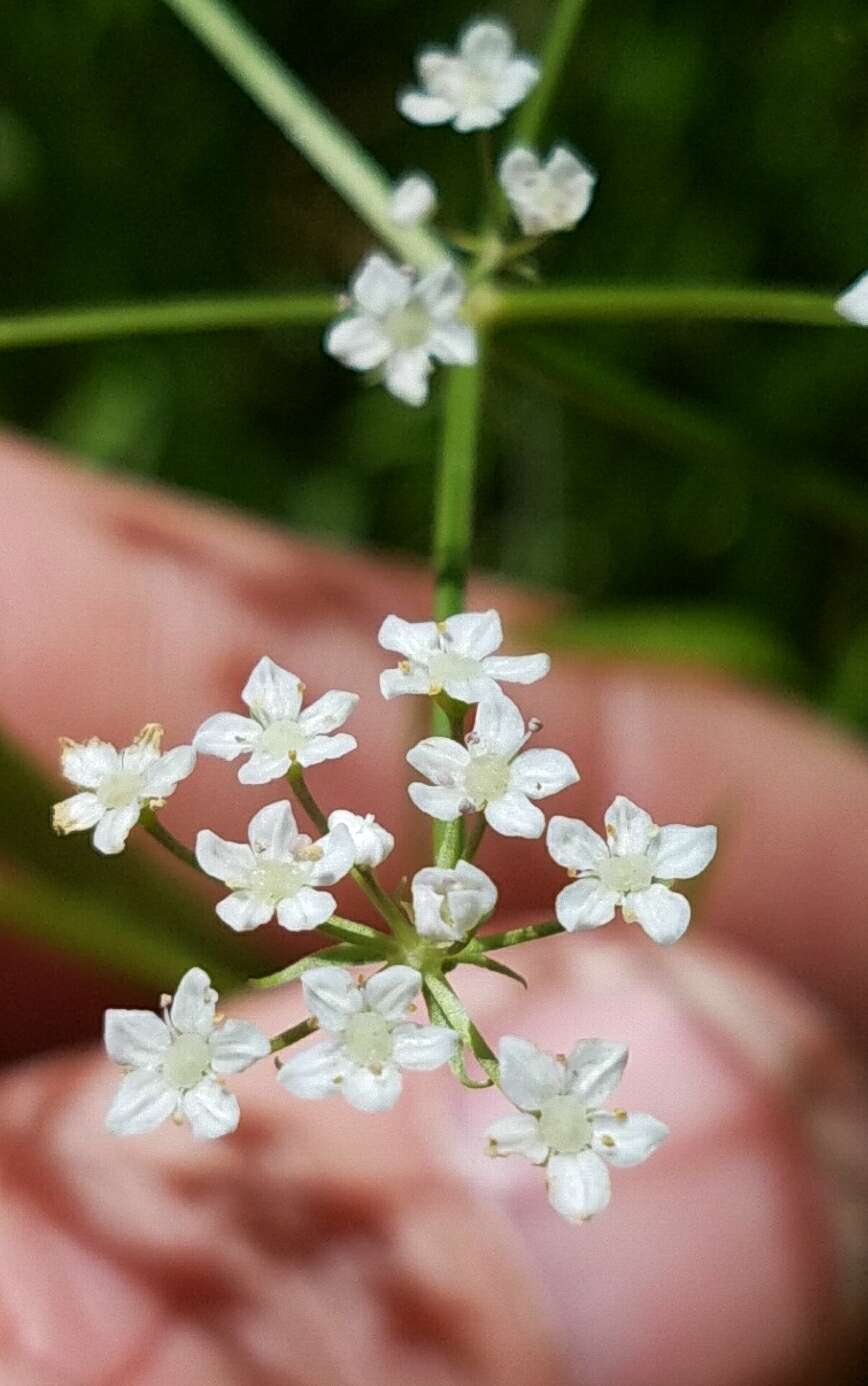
[[297, 784], [489, 942], [351, 932], [555, 51], [632, 303], [293, 1034], [453, 1009], [151, 824], [341, 955], [474, 838], [308, 126], [453, 505]]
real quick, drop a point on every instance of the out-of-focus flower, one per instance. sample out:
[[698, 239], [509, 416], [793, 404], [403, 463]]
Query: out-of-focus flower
[[550, 196], [474, 88], [414, 200], [853, 304]]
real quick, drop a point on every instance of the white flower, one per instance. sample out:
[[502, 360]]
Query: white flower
[[455, 655], [117, 785], [633, 868], [475, 87], [278, 732], [371, 842], [403, 323], [561, 1125], [489, 774], [278, 872], [853, 305], [448, 904], [414, 200], [177, 1064], [550, 196], [368, 1038]]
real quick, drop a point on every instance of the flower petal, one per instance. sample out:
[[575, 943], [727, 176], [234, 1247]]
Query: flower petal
[[243, 910], [137, 1039], [499, 725], [662, 913], [321, 748], [423, 109], [263, 767], [520, 77], [392, 992], [679, 853], [306, 909], [514, 815], [442, 291], [144, 750], [415, 640], [78, 812], [358, 342], [395, 682], [414, 199], [628, 1139], [486, 42], [474, 634], [88, 763], [481, 116], [372, 843], [328, 712], [272, 693], [272, 832], [585, 905], [142, 1101], [163, 775], [371, 1092], [194, 1002], [235, 1045], [578, 1185], [439, 802], [543, 772], [517, 668], [338, 856], [406, 375], [211, 1110], [314, 1072], [113, 829], [230, 862], [516, 168], [594, 1069], [227, 735], [439, 759], [629, 829], [331, 996], [517, 1134], [379, 286], [453, 343], [571, 843], [529, 1076], [423, 1047]]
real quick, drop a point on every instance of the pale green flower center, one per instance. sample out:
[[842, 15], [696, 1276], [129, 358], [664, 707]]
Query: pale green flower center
[[277, 880], [408, 327], [368, 1040], [486, 778], [283, 738], [564, 1125], [623, 874], [120, 789], [187, 1062], [453, 666]]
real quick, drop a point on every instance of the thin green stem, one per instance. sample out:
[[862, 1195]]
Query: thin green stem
[[351, 932], [474, 838], [489, 942], [151, 824], [507, 306], [453, 505], [308, 126], [453, 1009], [293, 1034], [553, 59], [298, 785], [341, 955]]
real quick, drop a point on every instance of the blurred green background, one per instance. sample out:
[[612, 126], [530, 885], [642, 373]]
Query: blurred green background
[[698, 488]]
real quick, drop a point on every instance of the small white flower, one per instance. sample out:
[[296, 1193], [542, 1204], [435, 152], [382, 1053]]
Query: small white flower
[[177, 1064], [632, 869], [853, 304], [278, 733], [455, 655], [448, 904], [371, 842], [414, 200], [280, 871], [474, 88], [560, 1124], [403, 323], [117, 785], [368, 1038], [550, 196], [489, 774]]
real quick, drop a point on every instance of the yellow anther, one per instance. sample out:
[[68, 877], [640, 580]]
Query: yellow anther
[[609, 1142]]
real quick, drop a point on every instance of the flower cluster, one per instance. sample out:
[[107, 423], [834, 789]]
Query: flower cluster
[[361, 995]]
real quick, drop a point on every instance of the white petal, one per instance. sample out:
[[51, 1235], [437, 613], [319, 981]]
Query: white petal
[[243, 911], [474, 634], [529, 1076], [415, 640], [314, 1072], [441, 803], [371, 1092], [162, 777], [272, 832], [230, 862], [499, 725], [585, 905], [235, 1045], [594, 1069], [517, 668], [679, 853], [442, 291], [137, 1039], [423, 1047], [358, 342], [520, 77], [271, 692], [321, 748], [88, 763], [380, 286], [113, 829], [578, 1185], [425, 110], [571, 843], [227, 735], [331, 996], [516, 169], [469, 689], [211, 1110], [486, 42], [481, 116], [414, 200], [517, 1134], [453, 343], [439, 759], [338, 856], [662, 913], [541, 773], [392, 992], [853, 304], [78, 812], [307, 909], [263, 767], [142, 1101], [428, 911], [372, 843], [144, 750], [629, 829], [514, 815], [406, 375], [328, 712], [395, 682], [193, 1005], [626, 1140]]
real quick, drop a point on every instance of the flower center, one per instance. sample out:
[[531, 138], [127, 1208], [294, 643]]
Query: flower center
[[624, 874], [453, 666], [486, 778], [367, 1040], [283, 738], [187, 1061], [276, 880], [120, 789], [409, 326], [564, 1125]]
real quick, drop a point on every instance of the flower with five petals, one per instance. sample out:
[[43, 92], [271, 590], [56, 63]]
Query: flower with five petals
[[455, 656], [473, 88]]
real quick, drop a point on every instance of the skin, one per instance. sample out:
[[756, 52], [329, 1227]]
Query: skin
[[322, 1245]]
